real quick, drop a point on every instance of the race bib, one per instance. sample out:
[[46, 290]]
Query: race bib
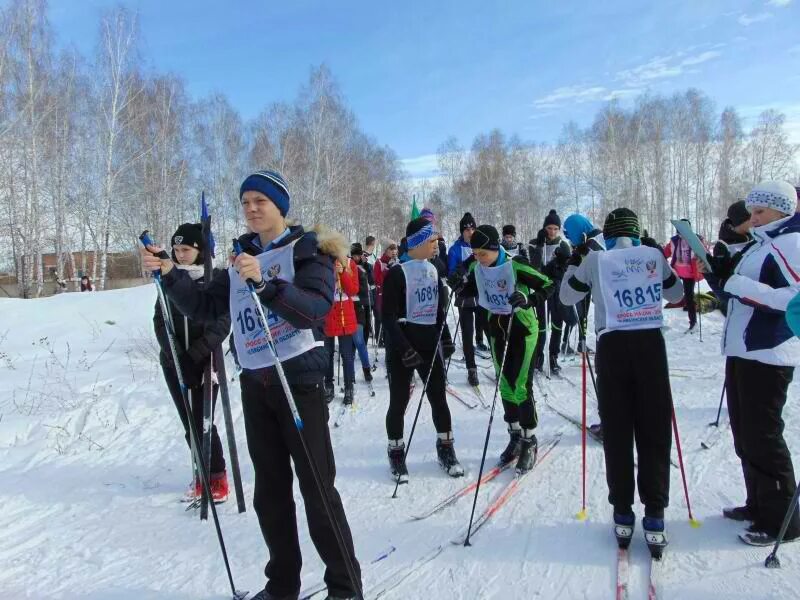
[[631, 287], [495, 285], [249, 337], [422, 292]]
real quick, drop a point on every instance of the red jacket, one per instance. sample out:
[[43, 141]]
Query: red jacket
[[683, 259], [341, 320]]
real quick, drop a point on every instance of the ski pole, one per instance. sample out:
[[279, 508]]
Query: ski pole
[[582, 344], [489, 428], [699, 313], [146, 241], [772, 561], [692, 521], [719, 410], [447, 368], [582, 513], [422, 394], [323, 490], [233, 453]]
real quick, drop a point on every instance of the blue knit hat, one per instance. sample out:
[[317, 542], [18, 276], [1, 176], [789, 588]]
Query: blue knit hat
[[576, 227], [272, 185]]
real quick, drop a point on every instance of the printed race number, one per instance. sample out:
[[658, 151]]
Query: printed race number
[[426, 294], [638, 296]]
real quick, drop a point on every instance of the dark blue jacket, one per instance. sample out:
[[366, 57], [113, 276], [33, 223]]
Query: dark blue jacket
[[303, 303]]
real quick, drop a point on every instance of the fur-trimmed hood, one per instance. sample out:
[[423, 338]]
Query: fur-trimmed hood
[[331, 242]]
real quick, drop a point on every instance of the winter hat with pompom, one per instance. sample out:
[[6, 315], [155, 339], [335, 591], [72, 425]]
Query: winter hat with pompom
[[552, 218], [467, 221]]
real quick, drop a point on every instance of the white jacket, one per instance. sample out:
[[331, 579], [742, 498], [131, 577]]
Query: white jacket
[[765, 280]]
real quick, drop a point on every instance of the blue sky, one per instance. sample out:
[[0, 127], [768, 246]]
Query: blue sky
[[416, 72]]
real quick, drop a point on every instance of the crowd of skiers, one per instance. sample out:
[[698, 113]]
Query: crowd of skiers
[[516, 304]]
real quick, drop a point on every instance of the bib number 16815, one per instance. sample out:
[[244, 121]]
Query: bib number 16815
[[638, 296]]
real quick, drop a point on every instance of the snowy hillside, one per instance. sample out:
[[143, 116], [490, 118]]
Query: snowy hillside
[[93, 462]]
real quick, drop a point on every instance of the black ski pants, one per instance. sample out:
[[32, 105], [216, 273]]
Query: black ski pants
[[756, 395], [196, 395], [555, 318], [635, 402], [474, 323], [274, 445], [399, 383], [688, 294]]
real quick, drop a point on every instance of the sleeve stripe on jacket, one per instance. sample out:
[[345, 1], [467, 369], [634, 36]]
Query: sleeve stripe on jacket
[[786, 264]]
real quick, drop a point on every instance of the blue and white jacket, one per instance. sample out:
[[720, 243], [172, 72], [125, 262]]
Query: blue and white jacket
[[765, 280]]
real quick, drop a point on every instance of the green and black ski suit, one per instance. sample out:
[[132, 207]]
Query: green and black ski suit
[[516, 381]]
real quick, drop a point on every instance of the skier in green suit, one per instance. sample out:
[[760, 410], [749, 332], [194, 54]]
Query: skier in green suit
[[508, 287]]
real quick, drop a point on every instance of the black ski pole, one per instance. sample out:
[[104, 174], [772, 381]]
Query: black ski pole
[[699, 313], [298, 422], [489, 429], [422, 395], [772, 561], [237, 595], [447, 368], [233, 453], [719, 410]]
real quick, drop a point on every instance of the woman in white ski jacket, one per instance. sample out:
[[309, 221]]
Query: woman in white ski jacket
[[761, 356]]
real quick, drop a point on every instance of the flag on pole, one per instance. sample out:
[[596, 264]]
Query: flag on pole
[[414, 209], [205, 220]]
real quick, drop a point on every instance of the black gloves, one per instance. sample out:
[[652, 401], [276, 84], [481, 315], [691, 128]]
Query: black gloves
[[561, 255], [541, 237], [192, 376], [722, 265], [457, 280], [411, 359], [518, 301], [576, 258], [648, 241], [448, 348]]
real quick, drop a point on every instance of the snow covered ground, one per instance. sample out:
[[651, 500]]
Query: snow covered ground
[[93, 462]]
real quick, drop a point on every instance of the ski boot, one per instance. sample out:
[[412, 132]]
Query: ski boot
[[397, 461], [596, 430], [367, 374], [528, 448], [193, 491], [738, 513], [265, 595], [348, 395], [555, 368], [472, 377], [482, 347], [219, 487], [512, 449], [655, 536], [447, 455], [623, 529], [328, 392]]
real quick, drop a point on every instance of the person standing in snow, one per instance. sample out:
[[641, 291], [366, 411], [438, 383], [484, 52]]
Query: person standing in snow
[[629, 281], [471, 315], [510, 243], [369, 250], [195, 343], [341, 324], [549, 253], [387, 260], [508, 288], [297, 294], [363, 303], [414, 313], [685, 264], [734, 234], [762, 353]]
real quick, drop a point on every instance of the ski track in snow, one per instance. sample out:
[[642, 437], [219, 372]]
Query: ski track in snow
[[93, 463]]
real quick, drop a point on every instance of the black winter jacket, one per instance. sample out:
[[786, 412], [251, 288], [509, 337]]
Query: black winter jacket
[[303, 303]]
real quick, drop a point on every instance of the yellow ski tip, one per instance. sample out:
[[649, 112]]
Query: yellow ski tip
[[581, 516], [695, 523]]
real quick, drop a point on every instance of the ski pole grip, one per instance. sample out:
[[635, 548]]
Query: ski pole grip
[[237, 250], [147, 241]]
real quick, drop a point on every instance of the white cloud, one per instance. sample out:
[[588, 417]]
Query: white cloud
[[779, 3], [634, 80], [750, 115], [746, 20], [576, 94]]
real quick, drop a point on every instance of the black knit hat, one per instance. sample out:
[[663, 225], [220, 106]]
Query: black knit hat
[[738, 213], [485, 238], [509, 230], [552, 218], [467, 221], [356, 249], [621, 222], [189, 234]]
